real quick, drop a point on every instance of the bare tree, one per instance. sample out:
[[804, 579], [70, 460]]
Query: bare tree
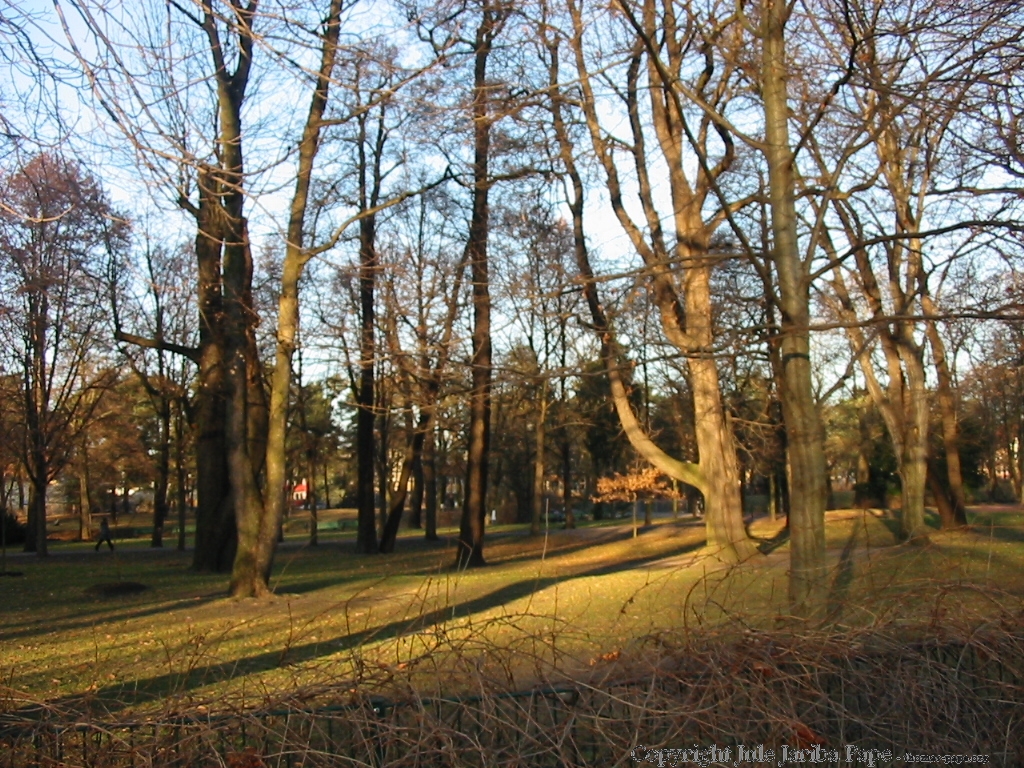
[[56, 233], [676, 254]]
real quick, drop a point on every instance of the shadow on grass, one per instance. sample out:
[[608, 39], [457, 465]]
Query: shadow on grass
[[840, 589], [116, 697], [603, 536], [1000, 533], [767, 546], [102, 605]]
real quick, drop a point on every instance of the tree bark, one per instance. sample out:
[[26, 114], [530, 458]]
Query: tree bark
[[37, 515], [808, 581], [179, 474], [215, 524], [366, 536], [430, 485], [398, 497], [914, 462], [416, 498], [253, 425], [84, 497], [950, 429], [470, 551], [537, 498], [163, 472]]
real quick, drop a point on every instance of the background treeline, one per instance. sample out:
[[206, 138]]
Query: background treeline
[[479, 254]]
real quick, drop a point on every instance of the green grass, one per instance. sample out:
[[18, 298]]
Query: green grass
[[543, 608]]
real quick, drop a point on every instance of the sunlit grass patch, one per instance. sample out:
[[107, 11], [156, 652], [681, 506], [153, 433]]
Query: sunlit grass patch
[[545, 607]]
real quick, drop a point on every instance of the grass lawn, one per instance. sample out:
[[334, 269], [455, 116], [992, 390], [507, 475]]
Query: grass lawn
[[565, 604]]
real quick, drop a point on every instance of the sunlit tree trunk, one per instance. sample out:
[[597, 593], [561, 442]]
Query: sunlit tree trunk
[[295, 260], [957, 513], [808, 582], [681, 293], [84, 502]]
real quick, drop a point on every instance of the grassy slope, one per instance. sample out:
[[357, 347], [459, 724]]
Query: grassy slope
[[544, 607]]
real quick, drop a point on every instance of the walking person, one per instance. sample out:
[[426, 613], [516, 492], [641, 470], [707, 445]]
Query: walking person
[[105, 535]]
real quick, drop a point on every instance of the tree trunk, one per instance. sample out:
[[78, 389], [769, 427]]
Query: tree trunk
[[247, 580], [247, 576], [416, 498], [84, 498], [163, 473], [470, 551], [808, 582], [397, 505], [314, 522], [538, 460], [950, 430], [267, 423], [179, 475], [914, 461], [940, 493], [39, 517], [326, 485], [215, 523], [570, 516], [430, 485], [383, 464], [685, 310], [366, 450], [723, 504]]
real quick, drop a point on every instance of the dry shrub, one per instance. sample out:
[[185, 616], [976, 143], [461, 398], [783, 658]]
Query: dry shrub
[[928, 688]]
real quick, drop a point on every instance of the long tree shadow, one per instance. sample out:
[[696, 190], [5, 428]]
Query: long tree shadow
[[999, 532], [840, 589], [113, 698], [607, 536], [767, 546], [90, 619]]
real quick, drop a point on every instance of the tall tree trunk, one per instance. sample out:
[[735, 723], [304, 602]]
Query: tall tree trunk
[[84, 497], [163, 473], [808, 581], [215, 522], [940, 492], [470, 551], [366, 452], [723, 504], [397, 504], [179, 474], [383, 463], [416, 497], [430, 485], [38, 516], [947, 413], [36, 403], [570, 516], [239, 365], [913, 465], [685, 310], [538, 460], [267, 422], [326, 485], [311, 502], [247, 578]]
